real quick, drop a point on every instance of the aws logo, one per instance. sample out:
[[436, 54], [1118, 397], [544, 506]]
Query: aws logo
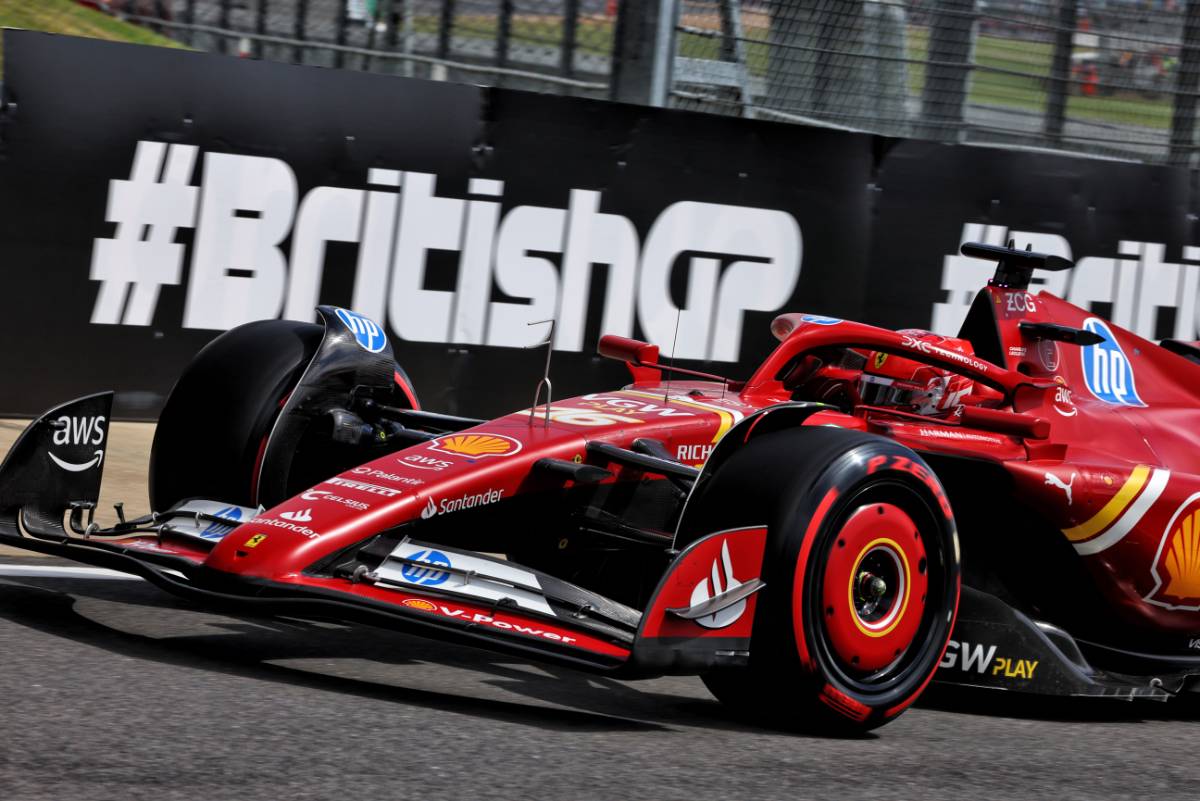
[[73, 434], [1106, 370], [1176, 567]]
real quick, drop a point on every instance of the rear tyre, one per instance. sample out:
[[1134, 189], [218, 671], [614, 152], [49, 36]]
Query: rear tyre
[[862, 576], [213, 428]]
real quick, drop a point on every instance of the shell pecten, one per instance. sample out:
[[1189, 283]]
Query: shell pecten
[[1183, 559]]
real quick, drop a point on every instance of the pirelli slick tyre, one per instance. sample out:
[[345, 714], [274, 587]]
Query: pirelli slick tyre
[[213, 428], [862, 576]]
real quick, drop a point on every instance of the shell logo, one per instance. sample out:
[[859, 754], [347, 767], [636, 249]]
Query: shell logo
[[1183, 559], [476, 445], [1176, 567], [418, 603]]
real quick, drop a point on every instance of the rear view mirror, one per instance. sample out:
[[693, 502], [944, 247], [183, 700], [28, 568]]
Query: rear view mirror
[[624, 349]]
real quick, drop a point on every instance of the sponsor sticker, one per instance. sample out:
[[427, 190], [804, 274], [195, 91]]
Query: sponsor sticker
[[634, 405], [1017, 304], [301, 516], [693, 453], [371, 472], [427, 573], [1066, 486], [721, 581], [468, 501], [420, 461], [215, 530], [817, 319], [1107, 371], [369, 335], [254, 541], [295, 528], [1063, 403], [362, 486], [960, 436], [586, 417], [929, 349], [476, 446], [323, 495], [1176, 565], [422, 565], [75, 432], [980, 659], [481, 619]]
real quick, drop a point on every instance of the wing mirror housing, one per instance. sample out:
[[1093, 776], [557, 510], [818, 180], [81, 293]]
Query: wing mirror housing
[[640, 357], [624, 349]]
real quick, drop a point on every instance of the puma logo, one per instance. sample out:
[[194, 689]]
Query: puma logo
[[1055, 481]]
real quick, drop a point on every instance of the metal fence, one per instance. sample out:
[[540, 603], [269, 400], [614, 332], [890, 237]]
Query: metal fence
[[1097, 76], [562, 45], [1104, 77]]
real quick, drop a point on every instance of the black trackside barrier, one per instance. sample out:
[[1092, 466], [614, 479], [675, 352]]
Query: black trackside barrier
[[151, 198]]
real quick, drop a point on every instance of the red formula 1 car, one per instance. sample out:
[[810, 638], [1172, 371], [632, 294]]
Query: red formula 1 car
[[1013, 508]]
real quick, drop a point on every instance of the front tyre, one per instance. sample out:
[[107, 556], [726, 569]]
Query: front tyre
[[212, 431], [862, 573]]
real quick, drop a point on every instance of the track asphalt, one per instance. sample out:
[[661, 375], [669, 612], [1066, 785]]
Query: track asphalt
[[114, 690]]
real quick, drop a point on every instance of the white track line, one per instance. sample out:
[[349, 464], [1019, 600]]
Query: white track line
[[49, 571]]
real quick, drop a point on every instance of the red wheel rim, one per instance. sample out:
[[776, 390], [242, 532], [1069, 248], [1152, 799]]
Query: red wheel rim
[[874, 588]]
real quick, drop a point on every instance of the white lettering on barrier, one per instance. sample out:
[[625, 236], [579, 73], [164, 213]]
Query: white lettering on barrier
[[738, 259], [1138, 284]]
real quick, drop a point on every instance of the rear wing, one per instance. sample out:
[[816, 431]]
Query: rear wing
[[1014, 268]]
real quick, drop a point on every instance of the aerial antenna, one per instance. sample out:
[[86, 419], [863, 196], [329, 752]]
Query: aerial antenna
[[549, 343], [671, 363]]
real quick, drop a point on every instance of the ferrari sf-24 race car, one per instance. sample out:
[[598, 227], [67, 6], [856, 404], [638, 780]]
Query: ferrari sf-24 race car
[[1013, 508]]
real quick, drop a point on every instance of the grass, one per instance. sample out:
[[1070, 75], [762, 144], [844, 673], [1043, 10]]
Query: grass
[[994, 83], [1009, 73], [67, 16]]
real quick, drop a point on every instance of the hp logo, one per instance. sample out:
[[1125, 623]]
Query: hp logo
[[215, 531], [817, 319], [369, 335], [426, 576], [1106, 370]]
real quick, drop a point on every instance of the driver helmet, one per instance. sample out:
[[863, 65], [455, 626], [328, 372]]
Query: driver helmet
[[909, 385]]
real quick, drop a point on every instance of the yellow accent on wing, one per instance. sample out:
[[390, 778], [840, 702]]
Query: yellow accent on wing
[[1183, 560], [1113, 509], [727, 417]]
